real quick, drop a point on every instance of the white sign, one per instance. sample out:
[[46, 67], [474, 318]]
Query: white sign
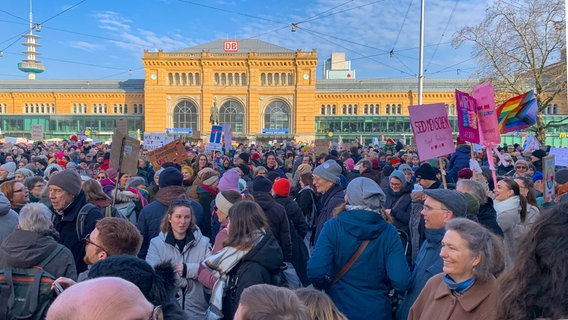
[[37, 131], [231, 46], [155, 140], [561, 155]]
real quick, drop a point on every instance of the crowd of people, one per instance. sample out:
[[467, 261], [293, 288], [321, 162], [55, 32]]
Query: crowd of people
[[280, 232]]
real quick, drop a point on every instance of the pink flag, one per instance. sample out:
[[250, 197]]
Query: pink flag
[[467, 117], [432, 130], [488, 124]]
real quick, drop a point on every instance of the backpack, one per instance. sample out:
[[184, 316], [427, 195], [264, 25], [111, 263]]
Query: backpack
[[127, 210], [109, 211], [25, 293]]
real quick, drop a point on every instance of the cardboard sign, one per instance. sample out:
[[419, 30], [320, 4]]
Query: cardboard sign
[[487, 116], [561, 156], [548, 172], [127, 161], [37, 131], [322, 146], [121, 126], [466, 107], [171, 152], [432, 130]]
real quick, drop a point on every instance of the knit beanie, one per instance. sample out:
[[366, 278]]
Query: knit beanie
[[261, 184], [134, 182], [210, 177], [349, 163], [244, 156], [561, 176], [465, 173], [405, 168], [281, 187], [229, 180], [365, 192], [111, 173], [68, 180], [9, 166], [170, 177], [204, 171], [25, 172], [400, 176], [537, 176], [329, 171], [426, 171], [539, 153], [222, 203]]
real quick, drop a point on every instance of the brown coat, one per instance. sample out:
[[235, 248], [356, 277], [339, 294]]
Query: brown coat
[[437, 302]]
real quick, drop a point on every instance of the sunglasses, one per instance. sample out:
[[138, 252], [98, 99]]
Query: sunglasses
[[521, 167]]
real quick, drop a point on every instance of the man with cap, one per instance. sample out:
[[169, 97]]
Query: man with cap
[[440, 206], [67, 199], [326, 181], [170, 183], [536, 159]]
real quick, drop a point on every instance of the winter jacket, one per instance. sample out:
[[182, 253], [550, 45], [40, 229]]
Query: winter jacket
[[206, 196], [458, 161], [66, 224], [190, 291], [147, 173], [488, 218], [278, 220], [371, 174], [331, 199], [401, 212], [152, 214], [437, 302], [8, 218], [362, 293], [257, 267], [26, 249], [298, 231], [428, 264], [307, 201], [514, 230]]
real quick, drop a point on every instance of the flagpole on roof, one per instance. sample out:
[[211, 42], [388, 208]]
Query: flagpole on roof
[[421, 54]]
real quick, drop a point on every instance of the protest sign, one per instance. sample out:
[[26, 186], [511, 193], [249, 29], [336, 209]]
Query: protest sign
[[561, 156], [466, 107], [432, 130], [37, 132], [227, 136], [171, 152], [548, 171], [121, 126], [488, 124], [155, 140], [321, 146], [127, 160]]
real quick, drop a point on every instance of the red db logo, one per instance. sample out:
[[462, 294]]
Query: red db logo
[[231, 46]]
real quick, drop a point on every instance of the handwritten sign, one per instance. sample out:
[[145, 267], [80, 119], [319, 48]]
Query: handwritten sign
[[432, 130], [155, 140], [561, 155], [467, 117], [37, 131], [488, 124], [171, 152], [548, 168]]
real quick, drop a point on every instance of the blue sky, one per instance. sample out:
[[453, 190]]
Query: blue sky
[[102, 39]]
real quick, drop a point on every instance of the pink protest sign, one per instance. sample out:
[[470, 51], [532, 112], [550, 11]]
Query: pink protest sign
[[467, 117], [432, 130], [488, 124]]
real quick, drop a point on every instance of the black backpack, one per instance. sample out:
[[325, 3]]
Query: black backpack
[[25, 293], [109, 211]]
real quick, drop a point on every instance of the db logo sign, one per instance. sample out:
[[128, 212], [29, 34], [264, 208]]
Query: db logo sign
[[231, 46]]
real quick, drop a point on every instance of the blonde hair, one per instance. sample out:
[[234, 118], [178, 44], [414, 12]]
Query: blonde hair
[[319, 305]]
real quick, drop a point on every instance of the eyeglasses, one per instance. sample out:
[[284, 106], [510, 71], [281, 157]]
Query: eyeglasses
[[521, 167], [100, 177], [87, 239], [395, 184], [21, 190], [157, 313]]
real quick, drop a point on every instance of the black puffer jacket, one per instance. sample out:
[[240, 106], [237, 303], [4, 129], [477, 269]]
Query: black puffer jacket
[[278, 220], [403, 209], [487, 217], [26, 249], [256, 267]]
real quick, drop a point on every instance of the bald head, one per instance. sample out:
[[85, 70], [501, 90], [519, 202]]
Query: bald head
[[101, 298]]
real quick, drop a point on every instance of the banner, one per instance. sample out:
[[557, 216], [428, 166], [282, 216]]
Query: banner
[[155, 140], [228, 136], [561, 156], [467, 117], [488, 125], [548, 167], [37, 132], [171, 152], [432, 130]]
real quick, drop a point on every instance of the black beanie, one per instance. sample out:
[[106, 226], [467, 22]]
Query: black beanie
[[244, 156], [261, 184], [170, 177], [426, 171]]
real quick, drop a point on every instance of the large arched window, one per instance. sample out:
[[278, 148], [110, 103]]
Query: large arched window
[[232, 112], [185, 115], [277, 116]]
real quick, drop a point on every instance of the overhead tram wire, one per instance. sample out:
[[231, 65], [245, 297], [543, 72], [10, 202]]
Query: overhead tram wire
[[349, 49], [230, 11], [342, 11], [14, 16], [442, 36], [392, 52], [324, 12]]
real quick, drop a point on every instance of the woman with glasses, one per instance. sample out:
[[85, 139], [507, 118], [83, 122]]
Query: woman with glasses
[[201, 161], [181, 242], [251, 255], [521, 168], [36, 186], [513, 216], [17, 193]]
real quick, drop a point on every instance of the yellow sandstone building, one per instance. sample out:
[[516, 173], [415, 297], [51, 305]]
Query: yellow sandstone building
[[265, 92]]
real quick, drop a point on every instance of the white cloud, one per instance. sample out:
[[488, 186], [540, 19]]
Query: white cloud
[[86, 46]]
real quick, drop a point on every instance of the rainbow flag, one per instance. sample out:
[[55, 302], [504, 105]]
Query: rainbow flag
[[517, 113]]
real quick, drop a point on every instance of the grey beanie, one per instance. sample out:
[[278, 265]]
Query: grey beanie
[[451, 199], [10, 167], [68, 180], [365, 192], [400, 176], [134, 182], [329, 171], [25, 172], [405, 168]]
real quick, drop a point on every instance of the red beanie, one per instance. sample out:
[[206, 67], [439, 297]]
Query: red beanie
[[255, 156], [460, 141], [281, 187], [465, 173]]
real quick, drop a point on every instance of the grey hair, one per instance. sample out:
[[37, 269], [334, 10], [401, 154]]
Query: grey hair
[[475, 189], [35, 217], [481, 242]]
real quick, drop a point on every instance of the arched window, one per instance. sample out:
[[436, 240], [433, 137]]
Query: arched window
[[185, 115], [344, 109], [276, 79], [243, 79], [223, 79], [270, 79], [184, 79], [237, 79], [190, 76], [355, 111], [283, 78], [216, 79], [388, 110], [333, 109], [263, 79], [290, 79], [197, 79], [171, 79], [177, 79], [232, 112], [322, 109], [399, 109], [277, 116], [366, 109], [230, 79]]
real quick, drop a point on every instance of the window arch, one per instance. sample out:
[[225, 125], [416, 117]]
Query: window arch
[[277, 116], [185, 115], [232, 112]]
